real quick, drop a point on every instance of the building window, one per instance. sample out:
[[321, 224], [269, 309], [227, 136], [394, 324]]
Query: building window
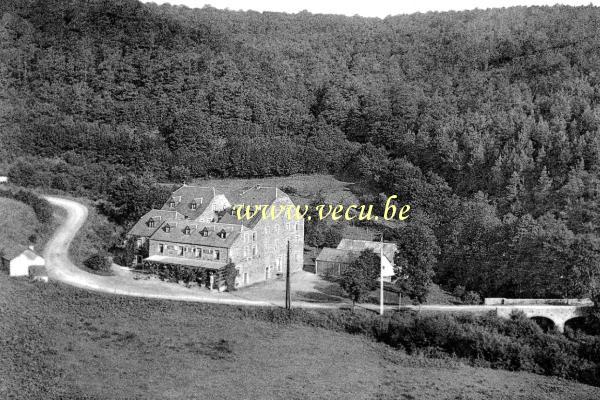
[[139, 243], [254, 251], [187, 230], [204, 232], [168, 228], [181, 250], [254, 236], [161, 248], [222, 234], [217, 255], [151, 223], [194, 206]]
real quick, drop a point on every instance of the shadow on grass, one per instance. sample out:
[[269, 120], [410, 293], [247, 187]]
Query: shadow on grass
[[325, 292]]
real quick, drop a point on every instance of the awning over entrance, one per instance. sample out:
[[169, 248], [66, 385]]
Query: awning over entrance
[[215, 265]]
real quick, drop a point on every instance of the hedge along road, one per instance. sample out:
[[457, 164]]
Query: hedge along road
[[61, 268]]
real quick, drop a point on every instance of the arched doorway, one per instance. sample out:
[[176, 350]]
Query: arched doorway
[[545, 323]]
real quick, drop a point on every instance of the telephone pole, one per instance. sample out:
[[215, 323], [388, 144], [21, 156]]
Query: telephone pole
[[381, 277], [288, 295]]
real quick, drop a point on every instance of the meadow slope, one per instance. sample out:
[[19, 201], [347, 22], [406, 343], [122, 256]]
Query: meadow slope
[[62, 342]]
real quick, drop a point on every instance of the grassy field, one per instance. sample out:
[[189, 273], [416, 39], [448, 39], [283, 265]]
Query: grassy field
[[61, 342], [18, 222]]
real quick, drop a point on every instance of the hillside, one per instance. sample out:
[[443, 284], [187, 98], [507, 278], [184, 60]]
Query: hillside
[[487, 122], [60, 342], [19, 222]]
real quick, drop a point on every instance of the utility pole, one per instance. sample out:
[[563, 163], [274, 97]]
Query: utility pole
[[381, 277], [288, 296]]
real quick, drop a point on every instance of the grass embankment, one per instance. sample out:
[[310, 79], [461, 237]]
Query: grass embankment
[[19, 222], [96, 236], [61, 342], [20, 225]]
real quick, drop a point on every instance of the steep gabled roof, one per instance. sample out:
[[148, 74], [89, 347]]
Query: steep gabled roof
[[187, 195], [145, 229], [11, 250], [252, 196]]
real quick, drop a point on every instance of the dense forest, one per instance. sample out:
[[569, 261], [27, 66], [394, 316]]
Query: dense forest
[[486, 122]]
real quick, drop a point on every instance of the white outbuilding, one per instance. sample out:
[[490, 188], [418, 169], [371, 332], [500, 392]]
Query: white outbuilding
[[16, 259]]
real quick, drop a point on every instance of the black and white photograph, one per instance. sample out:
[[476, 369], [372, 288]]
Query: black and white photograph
[[271, 200]]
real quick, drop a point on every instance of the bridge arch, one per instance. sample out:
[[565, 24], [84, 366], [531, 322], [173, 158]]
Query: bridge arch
[[576, 323], [546, 323]]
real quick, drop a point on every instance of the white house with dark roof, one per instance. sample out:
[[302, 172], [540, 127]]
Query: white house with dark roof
[[16, 259], [197, 228]]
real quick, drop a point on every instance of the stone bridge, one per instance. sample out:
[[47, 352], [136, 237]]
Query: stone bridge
[[557, 311], [557, 314]]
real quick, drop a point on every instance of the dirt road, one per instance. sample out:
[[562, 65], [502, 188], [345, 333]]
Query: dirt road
[[61, 268]]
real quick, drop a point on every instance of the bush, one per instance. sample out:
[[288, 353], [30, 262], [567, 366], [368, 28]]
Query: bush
[[98, 262], [229, 274], [471, 297]]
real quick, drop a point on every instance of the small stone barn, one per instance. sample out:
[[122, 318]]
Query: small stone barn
[[16, 259], [38, 273], [334, 261]]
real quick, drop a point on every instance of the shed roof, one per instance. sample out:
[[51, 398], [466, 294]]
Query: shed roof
[[337, 255], [38, 270], [389, 249]]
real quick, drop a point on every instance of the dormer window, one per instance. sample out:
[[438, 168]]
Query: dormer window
[[204, 232], [222, 234], [168, 228], [194, 206], [186, 230], [151, 223], [172, 204]]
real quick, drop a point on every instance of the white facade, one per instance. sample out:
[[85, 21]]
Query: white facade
[[19, 266]]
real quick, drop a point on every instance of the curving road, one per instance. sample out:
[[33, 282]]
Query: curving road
[[61, 268]]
